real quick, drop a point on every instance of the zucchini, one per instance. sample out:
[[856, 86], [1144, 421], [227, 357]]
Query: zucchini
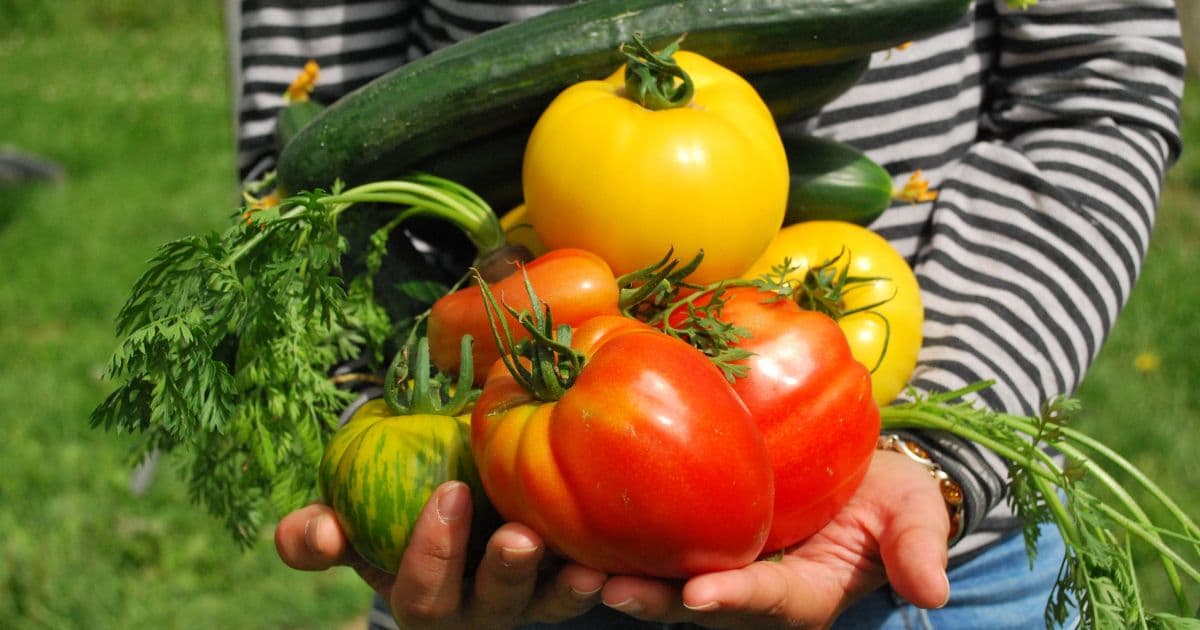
[[508, 75], [833, 180], [293, 117], [799, 92]]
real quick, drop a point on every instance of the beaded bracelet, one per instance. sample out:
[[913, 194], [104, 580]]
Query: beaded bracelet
[[952, 492]]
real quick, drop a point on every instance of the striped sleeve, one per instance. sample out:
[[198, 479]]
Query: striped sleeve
[[1040, 228], [352, 41]]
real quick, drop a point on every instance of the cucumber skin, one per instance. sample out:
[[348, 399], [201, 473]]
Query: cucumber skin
[[831, 180], [800, 91], [508, 75], [294, 117]]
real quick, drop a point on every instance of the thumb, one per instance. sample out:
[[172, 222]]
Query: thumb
[[310, 539], [913, 541]]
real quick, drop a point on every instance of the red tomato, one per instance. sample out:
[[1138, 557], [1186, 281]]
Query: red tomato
[[576, 284], [812, 402], [649, 464]]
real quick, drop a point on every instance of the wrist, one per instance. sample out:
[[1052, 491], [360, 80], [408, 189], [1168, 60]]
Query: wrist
[[950, 490]]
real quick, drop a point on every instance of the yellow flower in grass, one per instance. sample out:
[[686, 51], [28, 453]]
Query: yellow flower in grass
[[1147, 362]]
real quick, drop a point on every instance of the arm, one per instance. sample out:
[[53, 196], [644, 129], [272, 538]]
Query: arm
[[1040, 229]]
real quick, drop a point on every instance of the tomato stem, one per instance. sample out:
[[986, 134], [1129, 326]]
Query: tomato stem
[[545, 365], [650, 78], [824, 288], [418, 391]]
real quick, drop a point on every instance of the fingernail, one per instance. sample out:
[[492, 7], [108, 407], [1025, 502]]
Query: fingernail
[[629, 607], [512, 555], [453, 502], [311, 536], [585, 595], [947, 600], [706, 607]]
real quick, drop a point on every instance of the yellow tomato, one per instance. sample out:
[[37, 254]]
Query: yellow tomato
[[519, 231], [896, 320], [606, 174]]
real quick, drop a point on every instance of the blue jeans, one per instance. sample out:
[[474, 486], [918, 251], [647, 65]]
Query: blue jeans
[[995, 590]]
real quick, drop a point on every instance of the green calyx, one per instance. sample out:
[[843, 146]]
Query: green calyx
[[823, 289], [420, 390], [545, 364], [654, 80]]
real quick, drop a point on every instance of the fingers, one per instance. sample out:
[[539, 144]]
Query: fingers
[[645, 598], [574, 591], [508, 573], [507, 584], [766, 589], [428, 586], [912, 543], [310, 539]]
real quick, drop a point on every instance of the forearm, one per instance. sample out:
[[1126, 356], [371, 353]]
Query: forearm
[[1040, 229]]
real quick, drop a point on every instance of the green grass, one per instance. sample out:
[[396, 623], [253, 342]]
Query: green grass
[[1153, 417], [131, 98]]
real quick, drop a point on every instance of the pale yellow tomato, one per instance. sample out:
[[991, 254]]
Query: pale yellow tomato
[[518, 230], [893, 324]]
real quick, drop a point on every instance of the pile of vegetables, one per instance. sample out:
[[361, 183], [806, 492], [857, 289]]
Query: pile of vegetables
[[678, 356]]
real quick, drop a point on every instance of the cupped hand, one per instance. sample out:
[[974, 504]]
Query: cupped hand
[[514, 582], [893, 530]]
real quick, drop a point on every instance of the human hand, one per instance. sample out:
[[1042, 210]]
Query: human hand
[[893, 530], [509, 587]]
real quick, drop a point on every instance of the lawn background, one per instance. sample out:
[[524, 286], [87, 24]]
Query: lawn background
[[131, 99]]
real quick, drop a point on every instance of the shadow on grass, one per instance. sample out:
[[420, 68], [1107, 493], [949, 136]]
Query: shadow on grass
[[21, 174]]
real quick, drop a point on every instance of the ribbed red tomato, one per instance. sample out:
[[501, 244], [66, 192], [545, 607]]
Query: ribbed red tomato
[[648, 464]]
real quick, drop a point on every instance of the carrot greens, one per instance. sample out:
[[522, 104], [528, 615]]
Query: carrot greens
[[1098, 528], [227, 341]]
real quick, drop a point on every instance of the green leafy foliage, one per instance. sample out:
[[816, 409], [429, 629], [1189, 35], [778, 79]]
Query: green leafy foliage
[[1097, 577], [227, 343], [228, 340]]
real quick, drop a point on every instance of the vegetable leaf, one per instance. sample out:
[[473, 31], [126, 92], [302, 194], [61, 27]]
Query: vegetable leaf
[[227, 339], [1097, 576]]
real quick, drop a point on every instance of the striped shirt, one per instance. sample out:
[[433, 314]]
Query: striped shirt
[[1045, 131]]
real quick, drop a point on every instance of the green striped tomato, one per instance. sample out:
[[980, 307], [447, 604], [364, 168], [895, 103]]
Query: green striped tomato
[[379, 469]]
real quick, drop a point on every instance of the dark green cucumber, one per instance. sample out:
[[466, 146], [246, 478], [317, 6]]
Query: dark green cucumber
[[801, 91], [293, 117], [508, 75], [491, 166], [833, 180]]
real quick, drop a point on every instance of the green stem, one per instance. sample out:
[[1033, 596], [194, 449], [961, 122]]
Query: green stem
[[424, 195], [432, 197], [650, 78], [908, 416], [245, 248], [1128, 468], [1154, 541], [1146, 531], [415, 391]]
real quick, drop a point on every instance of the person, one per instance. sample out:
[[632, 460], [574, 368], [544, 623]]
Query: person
[[1046, 132]]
